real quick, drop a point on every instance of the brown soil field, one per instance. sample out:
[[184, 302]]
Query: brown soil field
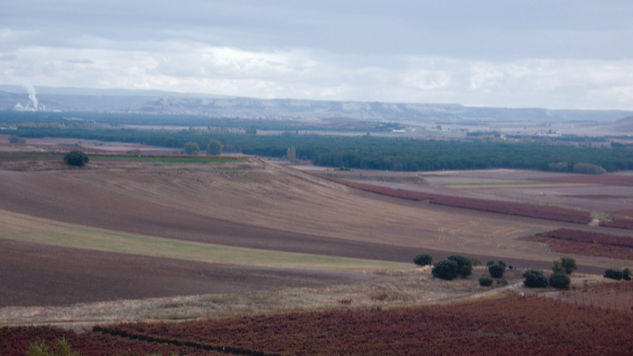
[[68, 144], [519, 325], [522, 186], [261, 205], [35, 274]]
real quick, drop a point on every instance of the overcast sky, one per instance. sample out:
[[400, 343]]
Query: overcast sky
[[509, 53]]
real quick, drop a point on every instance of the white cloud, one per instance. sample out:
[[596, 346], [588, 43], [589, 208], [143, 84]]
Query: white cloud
[[310, 74]]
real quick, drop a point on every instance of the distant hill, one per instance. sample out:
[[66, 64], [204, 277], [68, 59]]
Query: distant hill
[[158, 102], [624, 123]]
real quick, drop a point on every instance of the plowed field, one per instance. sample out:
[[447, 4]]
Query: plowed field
[[520, 325]]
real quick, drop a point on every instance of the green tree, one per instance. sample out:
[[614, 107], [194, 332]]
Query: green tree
[[214, 147], [497, 270], [565, 265], [534, 279], [559, 280], [191, 148], [447, 269], [423, 259], [76, 158], [464, 265]]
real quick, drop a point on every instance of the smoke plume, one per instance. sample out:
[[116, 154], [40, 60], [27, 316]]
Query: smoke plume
[[32, 95]]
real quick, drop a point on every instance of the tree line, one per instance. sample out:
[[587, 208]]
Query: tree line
[[371, 152]]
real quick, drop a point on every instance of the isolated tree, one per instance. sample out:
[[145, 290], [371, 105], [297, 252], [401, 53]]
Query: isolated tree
[[76, 158], [497, 270], [559, 280], [192, 148], [423, 259], [214, 147], [565, 265], [447, 269]]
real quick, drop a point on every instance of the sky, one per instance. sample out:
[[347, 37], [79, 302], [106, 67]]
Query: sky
[[506, 53]]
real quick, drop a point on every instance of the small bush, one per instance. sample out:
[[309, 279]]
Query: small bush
[[496, 270], [464, 265], [559, 280], [569, 264], [214, 147], [502, 282], [41, 349], [490, 263], [76, 158], [423, 259], [626, 274], [485, 281], [534, 279], [475, 261], [447, 269], [613, 274], [192, 148], [557, 267]]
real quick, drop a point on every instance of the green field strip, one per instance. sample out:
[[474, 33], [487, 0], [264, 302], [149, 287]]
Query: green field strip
[[27, 228], [165, 159]]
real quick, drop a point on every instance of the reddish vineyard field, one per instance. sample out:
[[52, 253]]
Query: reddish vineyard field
[[615, 296], [494, 206], [603, 179], [620, 223], [627, 212], [16, 342], [517, 325], [587, 243], [590, 237]]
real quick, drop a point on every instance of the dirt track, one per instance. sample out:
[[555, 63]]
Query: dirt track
[[34, 274]]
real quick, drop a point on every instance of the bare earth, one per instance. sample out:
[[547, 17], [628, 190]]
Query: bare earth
[[257, 204]]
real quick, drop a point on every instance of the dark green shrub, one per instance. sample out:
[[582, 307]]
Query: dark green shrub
[[502, 282], [76, 158], [557, 267], [192, 148], [496, 270], [559, 280], [464, 265], [569, 264], [626, 274], [613, 274], [490, 263], [214, 147], [423, 259], [534, 279], [475, 261], [447, 269], [485, 281]]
